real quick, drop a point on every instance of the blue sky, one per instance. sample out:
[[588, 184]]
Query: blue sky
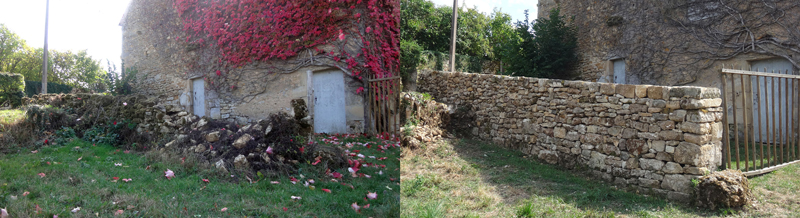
[[74, 25], [515, 8]]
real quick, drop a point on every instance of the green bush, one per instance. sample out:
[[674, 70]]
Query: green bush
[[433, 60], [547, 49], [11, 87], [35, 87]]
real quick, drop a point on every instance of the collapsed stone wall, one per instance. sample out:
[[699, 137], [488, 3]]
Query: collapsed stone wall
[[652, 138], [225, 144], [147, 113]]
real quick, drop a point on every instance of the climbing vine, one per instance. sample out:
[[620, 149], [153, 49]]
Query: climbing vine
[[360, 37]]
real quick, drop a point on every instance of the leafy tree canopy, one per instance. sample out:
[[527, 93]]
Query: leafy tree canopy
[[76, 69], [547, 48]]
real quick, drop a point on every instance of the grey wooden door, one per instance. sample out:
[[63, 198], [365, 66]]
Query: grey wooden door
[[769, 99], [199, 97], [619, 71], [329, 102]]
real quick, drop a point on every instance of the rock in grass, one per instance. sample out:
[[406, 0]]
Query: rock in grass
[[221, 165], [240, 162], [241, 142], [724, 189]]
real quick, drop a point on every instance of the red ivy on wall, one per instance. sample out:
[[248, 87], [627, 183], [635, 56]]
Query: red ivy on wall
[[364, 33]]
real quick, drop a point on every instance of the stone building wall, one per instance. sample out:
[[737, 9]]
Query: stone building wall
[[655, 51], [154, 44], [654, 138]]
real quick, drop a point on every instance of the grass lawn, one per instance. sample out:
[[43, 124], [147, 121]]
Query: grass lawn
[[10, 117], [466, 178], [57, 179]]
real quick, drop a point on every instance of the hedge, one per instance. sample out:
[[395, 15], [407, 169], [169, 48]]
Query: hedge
[[35, 88], [11, 88]]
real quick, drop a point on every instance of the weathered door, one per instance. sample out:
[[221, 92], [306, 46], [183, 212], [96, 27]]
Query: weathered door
[[772, 89], [199, 97], [619, 71], [329, 102]]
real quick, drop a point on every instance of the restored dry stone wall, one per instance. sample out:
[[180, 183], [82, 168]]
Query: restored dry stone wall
[[652, 138]]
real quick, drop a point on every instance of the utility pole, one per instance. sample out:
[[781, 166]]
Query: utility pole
[[453, 37], [44, 59]]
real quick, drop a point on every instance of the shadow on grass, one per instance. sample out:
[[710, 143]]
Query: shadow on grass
[[524, 180]]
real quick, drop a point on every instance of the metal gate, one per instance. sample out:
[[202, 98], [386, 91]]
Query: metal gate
[[383, 96], [763, 119]]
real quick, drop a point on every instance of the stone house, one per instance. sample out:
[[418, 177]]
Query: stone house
[[682, 42], [174, 71], [688, 42]]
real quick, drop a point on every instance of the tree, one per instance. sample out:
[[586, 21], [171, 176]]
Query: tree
[[74, 69], [547, 49]]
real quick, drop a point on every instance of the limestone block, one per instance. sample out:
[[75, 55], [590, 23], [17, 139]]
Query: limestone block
[[716, 131], [550, 157], [241, 142], [200, 149], [560, 132], [629, 133], [657, 145], [212, 137], [628, 91], [687, 153], [573, 136], [638, 108], [670, 135], [581, 129], [240, 162], [651, 164], [677, 115], [607, 88], [666, 125], [597, 160], [678, 183], [641, 91], [673, 105], [663, 156], [615, 131], [655, 92], [642, 127], [649, 183], [649, 174], [637, 146], [669, 149], [647, 135], [697, 139], [214, 113], [696, 128], [592, 138], [700, 103], [220, 165], [672, 168], [632, 163], [694, 92]]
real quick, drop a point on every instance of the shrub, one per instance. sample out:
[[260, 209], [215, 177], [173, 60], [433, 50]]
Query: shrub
[[11, 87], [35, 87]]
